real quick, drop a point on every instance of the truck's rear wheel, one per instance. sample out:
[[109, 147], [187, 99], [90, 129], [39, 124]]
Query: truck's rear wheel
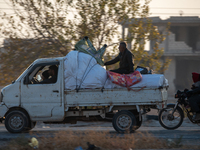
[[31, 125], [138, 122], [138, 119], [124, 121], [16, 121]]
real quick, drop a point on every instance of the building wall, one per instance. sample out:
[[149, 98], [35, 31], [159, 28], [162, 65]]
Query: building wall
[[170, 75], [182, 46], [184, 61]]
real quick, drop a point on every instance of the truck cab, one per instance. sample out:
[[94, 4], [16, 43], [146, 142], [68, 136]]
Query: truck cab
[[35, 101]]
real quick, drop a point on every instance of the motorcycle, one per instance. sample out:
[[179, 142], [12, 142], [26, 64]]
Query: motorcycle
[[172, 116]]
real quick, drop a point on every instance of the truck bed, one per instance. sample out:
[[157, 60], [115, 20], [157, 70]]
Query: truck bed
[[116, 97]]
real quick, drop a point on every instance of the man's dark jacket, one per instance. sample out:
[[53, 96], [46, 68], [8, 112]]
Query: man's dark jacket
[[126, 60], [53, 79]]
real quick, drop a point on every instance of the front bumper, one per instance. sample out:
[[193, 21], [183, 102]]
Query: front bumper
[[3, 110], [1, 120]]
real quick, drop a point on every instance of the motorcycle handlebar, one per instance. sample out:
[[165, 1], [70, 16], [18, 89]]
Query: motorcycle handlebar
[[180, 94]]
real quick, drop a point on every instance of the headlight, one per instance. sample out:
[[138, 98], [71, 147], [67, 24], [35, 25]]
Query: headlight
[[1, 97]]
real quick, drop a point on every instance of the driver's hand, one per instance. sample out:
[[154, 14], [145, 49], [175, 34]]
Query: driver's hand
[[34, 80]]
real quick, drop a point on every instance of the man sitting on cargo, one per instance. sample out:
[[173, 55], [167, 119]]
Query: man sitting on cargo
[[126, 60]]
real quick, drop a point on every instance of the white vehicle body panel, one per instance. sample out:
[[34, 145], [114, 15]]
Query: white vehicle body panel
[[115, 97]]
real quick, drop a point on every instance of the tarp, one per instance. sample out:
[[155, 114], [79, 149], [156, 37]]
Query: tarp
[[82, 71]]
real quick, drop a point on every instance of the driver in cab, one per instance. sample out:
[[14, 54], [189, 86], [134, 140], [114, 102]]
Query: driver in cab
[[48, 76]]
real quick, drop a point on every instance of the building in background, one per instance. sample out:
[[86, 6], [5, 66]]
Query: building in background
[[182, 46]]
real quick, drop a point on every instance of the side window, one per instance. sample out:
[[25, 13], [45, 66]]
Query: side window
[[42, 74]]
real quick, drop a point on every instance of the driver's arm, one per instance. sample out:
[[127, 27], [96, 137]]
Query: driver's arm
[[34, 81]]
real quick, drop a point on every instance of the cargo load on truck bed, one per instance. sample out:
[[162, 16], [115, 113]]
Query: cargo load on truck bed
[[81, 71]]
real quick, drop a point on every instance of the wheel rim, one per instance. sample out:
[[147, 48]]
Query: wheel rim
[[16, 122], [124, 122], [170, 120], [170, 117]]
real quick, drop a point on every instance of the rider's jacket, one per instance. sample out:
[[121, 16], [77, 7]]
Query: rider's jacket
[[126, 61], [196, 88]]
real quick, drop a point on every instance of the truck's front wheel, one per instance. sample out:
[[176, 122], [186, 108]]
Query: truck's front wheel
[[124, 121], [16, 121]]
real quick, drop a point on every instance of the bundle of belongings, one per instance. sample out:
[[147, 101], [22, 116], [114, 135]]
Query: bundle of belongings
[[83, 70]]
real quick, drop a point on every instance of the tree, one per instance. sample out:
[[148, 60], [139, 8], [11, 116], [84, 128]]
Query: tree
[[100, 21], [45, 26], [39, 28], [142, 30]]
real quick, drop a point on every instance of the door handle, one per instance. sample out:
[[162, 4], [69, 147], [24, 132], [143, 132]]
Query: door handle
[[56, 91]]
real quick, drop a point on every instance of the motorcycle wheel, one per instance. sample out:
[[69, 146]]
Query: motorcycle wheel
[[169, 121]]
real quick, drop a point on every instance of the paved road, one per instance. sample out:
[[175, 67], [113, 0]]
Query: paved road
[[190, 133]]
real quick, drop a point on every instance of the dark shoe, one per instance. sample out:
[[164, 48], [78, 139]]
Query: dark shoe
[[196, 116]]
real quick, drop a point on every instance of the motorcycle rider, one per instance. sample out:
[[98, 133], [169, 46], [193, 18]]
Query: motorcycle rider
[[194, 96]]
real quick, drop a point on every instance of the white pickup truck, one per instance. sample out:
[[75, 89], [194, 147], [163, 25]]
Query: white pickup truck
[[22, 103]]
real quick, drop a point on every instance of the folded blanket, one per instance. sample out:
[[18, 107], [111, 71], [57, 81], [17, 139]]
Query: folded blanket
[[125, 80]]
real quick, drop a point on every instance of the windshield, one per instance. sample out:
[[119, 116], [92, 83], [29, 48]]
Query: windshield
[[24, 71]]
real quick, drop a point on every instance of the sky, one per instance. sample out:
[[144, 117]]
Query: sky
[[167, 8], [162, 8]]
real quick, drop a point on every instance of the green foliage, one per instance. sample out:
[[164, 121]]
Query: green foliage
[[43, 28], [142, 30]]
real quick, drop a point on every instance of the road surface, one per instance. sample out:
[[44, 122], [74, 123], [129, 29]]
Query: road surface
[[189, 133]]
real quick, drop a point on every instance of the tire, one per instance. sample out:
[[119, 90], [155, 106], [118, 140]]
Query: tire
[[124, 122], [31, 125], [138, 122], [167, 120], [16, 121]]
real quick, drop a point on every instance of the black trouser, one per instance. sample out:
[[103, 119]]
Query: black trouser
[[194, 101], [121, 71]]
